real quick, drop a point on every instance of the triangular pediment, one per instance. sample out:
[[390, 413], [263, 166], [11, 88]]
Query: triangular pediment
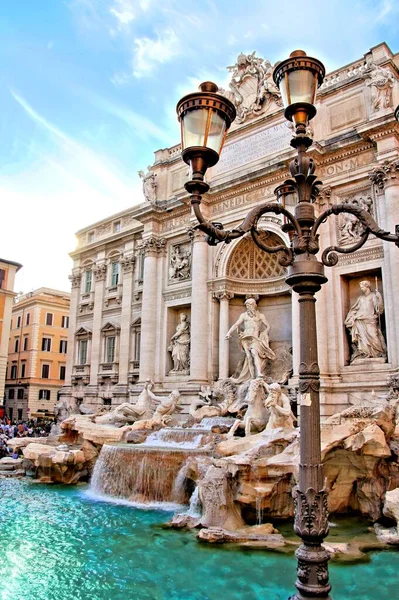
[[83, 331], [110, 326]]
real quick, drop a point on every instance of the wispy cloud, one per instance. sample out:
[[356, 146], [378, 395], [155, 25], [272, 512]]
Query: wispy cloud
[[86, 158], [154, 51]]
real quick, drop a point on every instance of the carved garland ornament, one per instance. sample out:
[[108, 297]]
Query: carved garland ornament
[[384, 172]]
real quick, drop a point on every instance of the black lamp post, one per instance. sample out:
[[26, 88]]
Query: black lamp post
[[205, 117]]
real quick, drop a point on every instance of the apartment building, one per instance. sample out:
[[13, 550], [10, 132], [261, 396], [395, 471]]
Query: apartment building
[[37, 349]]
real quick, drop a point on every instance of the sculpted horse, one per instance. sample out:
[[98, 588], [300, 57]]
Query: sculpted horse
[[256, 416]]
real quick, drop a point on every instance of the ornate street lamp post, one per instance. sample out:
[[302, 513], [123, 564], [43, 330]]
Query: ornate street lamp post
[[205, 117]]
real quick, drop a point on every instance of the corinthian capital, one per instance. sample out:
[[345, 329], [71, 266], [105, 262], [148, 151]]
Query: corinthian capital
[[195, 235], [128, 262], [100, 271], [153, 245], [75, 279], [385, 173]]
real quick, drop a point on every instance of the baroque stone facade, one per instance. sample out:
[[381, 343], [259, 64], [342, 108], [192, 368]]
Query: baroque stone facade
[[130, 289]]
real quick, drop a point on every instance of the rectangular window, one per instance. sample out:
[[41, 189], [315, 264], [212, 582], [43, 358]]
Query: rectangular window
[[16, 344], [20, 393], [44, 394], [13, 373], [88, 281], [20, 411], [49, 318], [18, 322], [137, 342], [83, 352], [117, 226], [90, 237], [65, 322], [46, 344], [63, 346], [23, 369], [2, 278], [26, 342], [10, 413], [11, 394], [114, 274], [110, 349], [141, 267], [62, 372], [45, 371], [27, 319]]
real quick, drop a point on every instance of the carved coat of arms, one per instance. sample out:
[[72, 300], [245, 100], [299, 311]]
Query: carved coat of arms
[[251, 87]]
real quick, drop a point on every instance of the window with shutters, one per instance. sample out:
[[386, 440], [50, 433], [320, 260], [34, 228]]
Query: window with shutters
[[82, 352], [88, 281], [16, 344], [110, 349], [46, 344], [65, 322], [49, 318], [45, 371], [63, 346], [44, 394], [62, 372], [26, 343], [114, 274]]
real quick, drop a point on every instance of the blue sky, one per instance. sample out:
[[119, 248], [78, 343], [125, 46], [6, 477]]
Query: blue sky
[[88, 90]]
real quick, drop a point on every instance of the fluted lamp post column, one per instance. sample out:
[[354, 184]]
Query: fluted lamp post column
[[205, 118]]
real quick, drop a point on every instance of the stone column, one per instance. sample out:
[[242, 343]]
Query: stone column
[[224, 301], [127, 264], [75, 279], [152, 247], [386, 178], [199, 308], [100, 273]]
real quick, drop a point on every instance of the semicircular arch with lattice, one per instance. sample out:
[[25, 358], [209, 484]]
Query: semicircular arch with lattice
[[247, 261]]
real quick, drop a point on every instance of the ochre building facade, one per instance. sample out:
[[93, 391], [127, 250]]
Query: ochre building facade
[[37, 351], [136, 273], [8, 269]]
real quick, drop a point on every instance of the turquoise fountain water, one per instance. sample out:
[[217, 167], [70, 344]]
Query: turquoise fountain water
[[57, 543]]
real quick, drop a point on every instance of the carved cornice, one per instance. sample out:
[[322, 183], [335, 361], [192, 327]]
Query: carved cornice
[[153, 246], [177, 295], [248, 287], [386, 173], [367, 254]]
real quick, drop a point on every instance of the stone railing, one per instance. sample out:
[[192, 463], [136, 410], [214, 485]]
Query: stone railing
[[341, 76], [175, 151]]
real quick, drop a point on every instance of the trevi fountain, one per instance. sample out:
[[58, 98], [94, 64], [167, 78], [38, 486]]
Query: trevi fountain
[[172, 471]]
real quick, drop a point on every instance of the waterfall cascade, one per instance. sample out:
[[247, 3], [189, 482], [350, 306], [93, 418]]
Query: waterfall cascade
[[154, 471]]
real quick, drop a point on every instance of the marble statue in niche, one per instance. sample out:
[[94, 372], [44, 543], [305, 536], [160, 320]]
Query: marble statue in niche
[[254, 341], [149, 185], [363, 322], [381, 82], [179, 347], [179, 263], [350, 228]]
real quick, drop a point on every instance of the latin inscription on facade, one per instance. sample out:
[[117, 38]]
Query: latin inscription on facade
[[254, 147]]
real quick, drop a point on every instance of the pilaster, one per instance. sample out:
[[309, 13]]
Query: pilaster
[[100, 273], [199, 308], [224, 302], [127, 264], [75, 279], [152, 247]]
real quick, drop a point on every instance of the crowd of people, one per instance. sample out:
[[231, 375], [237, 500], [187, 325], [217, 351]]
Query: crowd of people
[[13, 429]]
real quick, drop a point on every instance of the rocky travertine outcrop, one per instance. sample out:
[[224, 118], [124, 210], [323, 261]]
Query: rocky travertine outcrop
[[61, 464]]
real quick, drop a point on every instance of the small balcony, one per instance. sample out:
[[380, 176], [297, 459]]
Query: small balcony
[[113, 295], [134, 370], [86, 302], [108, 371], [81, 373]]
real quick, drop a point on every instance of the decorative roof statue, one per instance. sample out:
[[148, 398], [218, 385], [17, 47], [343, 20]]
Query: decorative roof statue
[[252, 87], [381, 82], [149, 185]]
